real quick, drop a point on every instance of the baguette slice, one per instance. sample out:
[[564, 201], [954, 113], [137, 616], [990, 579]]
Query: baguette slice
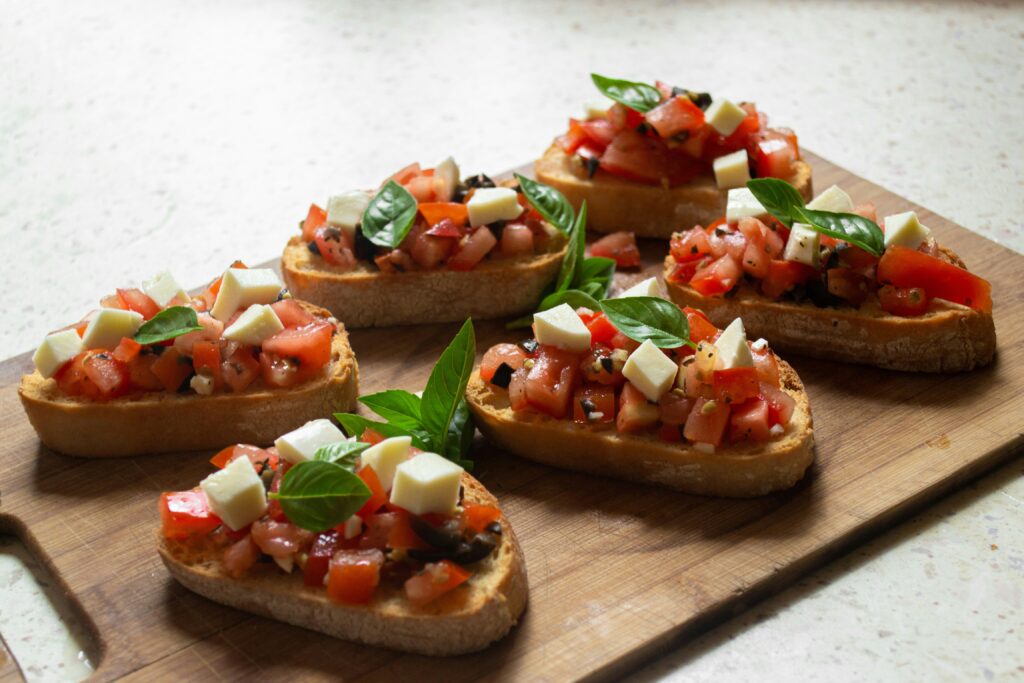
[[614, 203], [160, 422], [738, 471], [948, 338], [469, 618], [365, 297]]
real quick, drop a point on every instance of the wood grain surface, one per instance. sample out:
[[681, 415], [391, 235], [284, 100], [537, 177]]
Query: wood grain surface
[[618, 572]]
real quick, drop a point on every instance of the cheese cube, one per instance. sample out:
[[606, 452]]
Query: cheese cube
[[741, 203], [648, 287], [561, 326], [448, 173], [833, 199], [724, 116], [302, 444], [385, 456], [732, 170], [905, 230], [345, 211], [427, 483], [803, 245], [650, 370], [243, 287], [733, 351], [163, 288], [109, 326], [256, 323], [490, 204], [56, 350], [236, 494], [596, 110]]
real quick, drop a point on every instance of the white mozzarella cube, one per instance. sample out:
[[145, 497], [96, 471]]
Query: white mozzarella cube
[[833, 199], [648, 287], [109, 325], [561, 326], [741, 203], [243, 287], [803, 245], [905, 230], [650, 370], [447, 172], [596, 110], [302, 444], [732, 170], [724, 116], [236, 494], [427, 483], [56, 350], [345, 210], [163, 288], [386, 456], [258, 322], [733, 351], [490, 204]]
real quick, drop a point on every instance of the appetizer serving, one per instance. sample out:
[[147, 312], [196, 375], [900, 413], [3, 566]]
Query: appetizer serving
[[662, 157], [646, 391], [424, 247], [825, 280], [155, 370], [381, 540]]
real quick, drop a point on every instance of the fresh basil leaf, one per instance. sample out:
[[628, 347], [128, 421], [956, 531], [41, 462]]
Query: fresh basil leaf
[[857, 230], [596, 269], [167, 324], [574, 252], [573, 297], [344, 453], [400, 408], [778, 197], [317, 495], [460, 436], [446, 387], [551, 203], [647, 317], [640, 97], [355, 425], [595, 290], [389, 216]]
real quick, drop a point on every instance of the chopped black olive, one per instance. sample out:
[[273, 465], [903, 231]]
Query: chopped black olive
[[588, 406], [479, 180], [694, 250], [446, 536], [502, 376], [313, 248], [643, 128], [528, 345], [283, 294], [592, 165], [677, 91], [681, 137], [462, 493], [720, 232], [731, 293], [102, 356], [187, 384], [365, 249], [607, 363], [494, 528], [819, 295], [833, 260], [331, 233], [497, 227], [701, 99]]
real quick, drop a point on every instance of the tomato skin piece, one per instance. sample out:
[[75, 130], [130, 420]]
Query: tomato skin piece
[[619, 246], [315, 218], [479, 517], [718, 277], [378, 496], [735, 385], [635, 412], [596, 369], [783, 276], [780, 404], [599, 132], [774, 154], [573, 138], [436, 579], [601, 329], [516, 239], [638, 157], [550, 382], [239, 370], [674, 408], [206, 360], [354, 575], [136, 300], [320, 553], [750, 422], [600, 398], [766, 365], [847, 284], [472, 249], [907, 268], [510, 354], [690, 245], [676, 115], [184, 513], [435, 212], [707, 426], [310, 344], [291, 313], [908, 302], [126, 350], [701, 329]]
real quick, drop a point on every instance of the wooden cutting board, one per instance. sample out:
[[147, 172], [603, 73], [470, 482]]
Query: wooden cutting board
[[618, 572]]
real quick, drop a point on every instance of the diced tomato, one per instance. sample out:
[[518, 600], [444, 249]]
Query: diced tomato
[[378, 496], [472, 249], [354, 575], [136, 300], [309, 344], [735, 385], [371, 436], [291, 313], [98, 375], [280, 539], [517, 389], [674, 408], [510, 354], [847, 284], [676, 115], [126, 350], [333, 249], [314, 220], [908, 302], [445, 228], [206, 361], [601, 329], [479, 517], [907, 268], [774, 154], [635, 156], [572, 139], [783, 276], [435, 580], [319, 560], [707, 421], [620, 246], [597, 366], [593, 404], [690, 245], [636, 413], [256, 456], [701, 329], [767, 366], [406, 174], [278, 372], [682, 273], [140, 371], [780, 404], [516, 239], [750, 421], [240, 369], [855, 257], [435, 212], [172, 369], [240, 556], [717, 277], [867, 211], [113, 301], [726, 241], [621, 341], [184, 513], [550, 382], [599, 132], [719, 145], [430, 252]]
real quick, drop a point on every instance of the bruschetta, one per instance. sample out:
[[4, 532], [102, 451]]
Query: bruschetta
[[375, 540], [661, 157], [426, 246], [645, 391], [155, 370], [825, 280]]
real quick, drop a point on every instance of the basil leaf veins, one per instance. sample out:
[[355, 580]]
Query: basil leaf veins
[[639, 97], [390, 215], [549, 202], [318, 495], [647, 317], [167, 324]]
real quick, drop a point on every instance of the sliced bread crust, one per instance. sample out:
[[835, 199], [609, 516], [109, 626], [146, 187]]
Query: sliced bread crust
[[365, 297], [160, 422], [614, 203], [738, 471], [469, 618]]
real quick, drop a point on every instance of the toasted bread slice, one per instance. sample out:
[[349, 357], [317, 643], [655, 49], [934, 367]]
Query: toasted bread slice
[[469, 618], [948, 338], [160, 422], [614, 203], [738, 471], [365, 297]]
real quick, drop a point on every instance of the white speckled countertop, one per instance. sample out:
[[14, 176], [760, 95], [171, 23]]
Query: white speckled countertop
[[136, 136]]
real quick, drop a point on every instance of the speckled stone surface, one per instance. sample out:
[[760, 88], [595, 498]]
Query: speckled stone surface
[[137, 136]]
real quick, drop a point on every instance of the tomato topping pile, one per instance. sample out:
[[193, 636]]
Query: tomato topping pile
[[673, 142], [705, 404]]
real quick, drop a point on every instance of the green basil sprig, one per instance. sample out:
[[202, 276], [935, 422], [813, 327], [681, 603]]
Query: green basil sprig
[[549, 202], [646, 317], [167, 324], [318, 495], [640, 97], [389, 216], [782, 200], [344, 453]]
